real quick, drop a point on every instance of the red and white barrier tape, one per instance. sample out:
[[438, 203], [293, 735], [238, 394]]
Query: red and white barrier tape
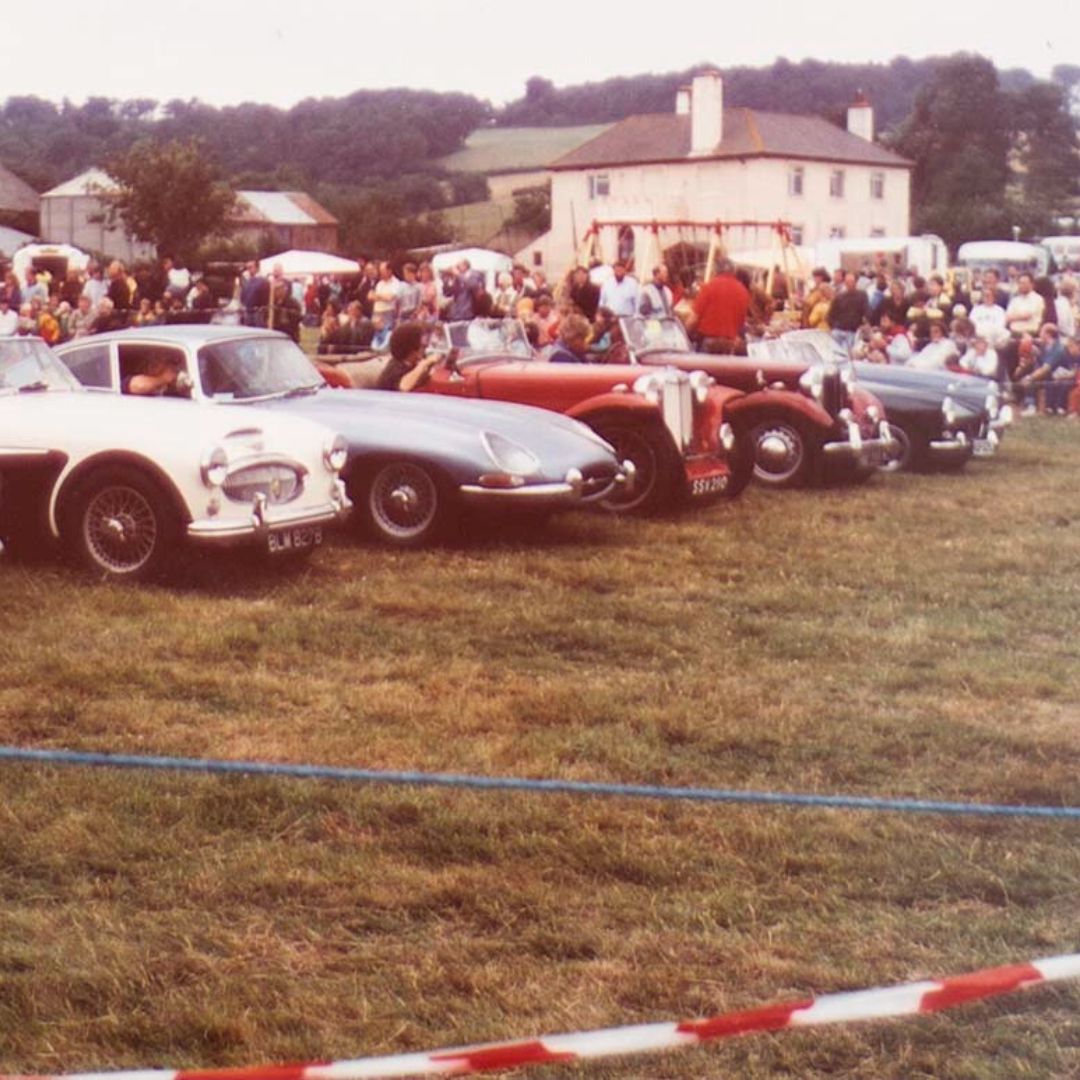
[[882, 1003]]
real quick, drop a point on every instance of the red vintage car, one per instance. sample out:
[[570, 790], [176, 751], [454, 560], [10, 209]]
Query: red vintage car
[[676, 427], [808, 421]]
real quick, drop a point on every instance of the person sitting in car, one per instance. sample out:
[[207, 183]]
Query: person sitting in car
[[408, 368], [573, 342], [158, 380]]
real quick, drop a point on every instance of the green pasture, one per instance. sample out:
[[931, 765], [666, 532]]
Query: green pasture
[[915, 637]]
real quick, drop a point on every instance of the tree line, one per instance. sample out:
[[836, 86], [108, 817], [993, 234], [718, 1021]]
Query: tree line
[[991, 149]]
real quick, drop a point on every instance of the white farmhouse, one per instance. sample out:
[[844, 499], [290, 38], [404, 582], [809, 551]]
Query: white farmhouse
[[704, 162]]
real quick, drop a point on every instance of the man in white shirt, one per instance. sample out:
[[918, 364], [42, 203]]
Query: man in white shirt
[[620, 293], [1027, 309]]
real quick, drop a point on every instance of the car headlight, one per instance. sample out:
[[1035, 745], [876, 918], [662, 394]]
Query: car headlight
[[510, 456], [336, 453], [700, 382], [726, 434], [948, 410], [873, 413], [993, 405], [650, 387], [812, 382], [214, 467]]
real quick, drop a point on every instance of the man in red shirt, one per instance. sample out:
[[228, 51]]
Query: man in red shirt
[[720, 311]]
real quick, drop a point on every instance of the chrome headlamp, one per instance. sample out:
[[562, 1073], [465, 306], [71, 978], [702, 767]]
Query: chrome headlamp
[[650, 387], [948, 410], [509, 456], [335, 453], [700, 383], [214, 467], [812, 382]]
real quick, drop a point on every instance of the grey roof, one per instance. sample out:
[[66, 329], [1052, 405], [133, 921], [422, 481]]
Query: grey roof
[[15, 194], [665, 137], [518, 149]]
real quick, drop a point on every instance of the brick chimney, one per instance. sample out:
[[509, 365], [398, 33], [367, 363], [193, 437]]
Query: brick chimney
[[706, 112], [860, 117]]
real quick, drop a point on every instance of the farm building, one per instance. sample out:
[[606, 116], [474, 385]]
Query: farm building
[[705, 162]]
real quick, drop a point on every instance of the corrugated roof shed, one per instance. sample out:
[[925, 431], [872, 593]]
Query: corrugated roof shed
[[91, 182], [281, 208]]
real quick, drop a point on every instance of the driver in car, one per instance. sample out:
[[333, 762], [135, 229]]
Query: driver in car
[[409, 368], [161, 378]]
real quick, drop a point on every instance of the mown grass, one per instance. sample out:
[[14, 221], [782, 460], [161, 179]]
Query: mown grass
[[915, 637]]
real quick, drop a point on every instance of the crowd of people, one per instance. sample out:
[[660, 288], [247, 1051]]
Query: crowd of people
[[1018, 329]]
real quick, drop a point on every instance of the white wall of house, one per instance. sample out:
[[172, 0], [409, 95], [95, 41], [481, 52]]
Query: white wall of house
[[875, 201], [66, 219]]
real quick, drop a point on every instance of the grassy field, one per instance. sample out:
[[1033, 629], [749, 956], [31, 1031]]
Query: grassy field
[[913, 637]]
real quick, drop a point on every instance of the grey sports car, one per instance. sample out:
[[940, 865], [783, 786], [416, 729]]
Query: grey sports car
[[415, 460]]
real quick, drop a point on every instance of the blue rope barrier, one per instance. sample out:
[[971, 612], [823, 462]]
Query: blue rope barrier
[[510, 783]]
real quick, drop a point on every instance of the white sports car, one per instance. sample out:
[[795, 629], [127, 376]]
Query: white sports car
[[124, 484]]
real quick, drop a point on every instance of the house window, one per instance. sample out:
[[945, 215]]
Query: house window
[[795, 180], [837, 232], [796, 235], [836, 183], [599, 186], [877, 185], [877, 233]]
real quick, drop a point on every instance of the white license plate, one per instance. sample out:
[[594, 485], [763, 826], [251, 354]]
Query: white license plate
[[294, 539], [983, 448], [708, 485]]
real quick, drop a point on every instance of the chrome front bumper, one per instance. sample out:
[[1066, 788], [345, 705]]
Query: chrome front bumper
[[568, 492], [951, 446], [860, 450], [263, 520]]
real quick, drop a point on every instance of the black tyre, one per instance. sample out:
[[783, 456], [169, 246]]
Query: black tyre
[[120, 525], [907, 452], [785, 453], [402, 504], [650, 449]]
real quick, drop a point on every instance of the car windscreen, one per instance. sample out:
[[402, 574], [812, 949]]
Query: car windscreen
[[28, 364], [253, 367], [482, 337], [653, 335]]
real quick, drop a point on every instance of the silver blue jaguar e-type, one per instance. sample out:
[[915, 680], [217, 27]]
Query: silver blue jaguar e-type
[[415, 461]]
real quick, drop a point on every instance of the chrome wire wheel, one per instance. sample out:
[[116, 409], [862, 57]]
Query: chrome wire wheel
[[120, 529], [403, 501], [780, 454]]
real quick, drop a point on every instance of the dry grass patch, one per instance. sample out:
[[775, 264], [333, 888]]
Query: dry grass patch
[[915, 637]]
